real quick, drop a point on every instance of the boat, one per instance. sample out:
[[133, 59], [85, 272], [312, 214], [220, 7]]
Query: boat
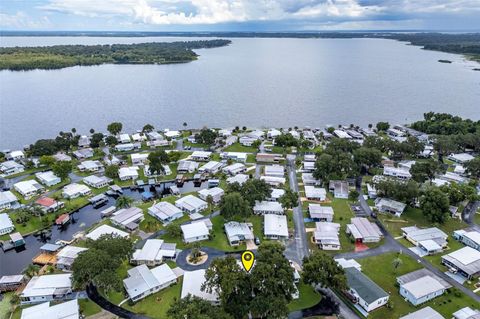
[[108, 211], [98, 201], [62, 220]]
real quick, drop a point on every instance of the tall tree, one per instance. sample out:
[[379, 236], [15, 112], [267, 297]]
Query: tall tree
[[123, 202], [156, 161], [234, 206], [62, 169], [289, 199], [435, 205], [367, 156], [111, 171], [423, 171], [321, 269], [383, 126], [195, 308], [147, 128], [206, 136], [473, 167], [114, 128]]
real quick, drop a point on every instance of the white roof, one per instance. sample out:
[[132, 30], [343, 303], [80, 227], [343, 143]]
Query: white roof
[[75, 188], [365, 227], [128, 171], [347, 263], [211, 165], [275, 225], [341, 134], [215, 191], [424, 313], [46, 176], [164, 210], [139, 156], [154, 249], [430, 245], [90, 164], [268, 206], [277, 193], [201, 154], [190, 202], [128, 215], [104, 230], [169, 133], [465, 313], [70, 251], [473, 236], [7, 197], [141, 280], [27, 186], [47, 284], [273, 179], [238, 155], [315, 192], [239, 178], [66, 310], [234, 167], [14, 154], [466, 255], [462, 157], [235, 229], [274, 170], [192, 284], [11, 164], [423, 286], [5, 221], [197, 229]]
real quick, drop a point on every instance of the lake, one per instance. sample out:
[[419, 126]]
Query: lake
[[253, 82]]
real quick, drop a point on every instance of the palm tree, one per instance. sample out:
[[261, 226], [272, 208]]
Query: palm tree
[[31, 270], [210, 202], [185, 124], [74, 130], [124, 202], [92, 131], [397, 262]]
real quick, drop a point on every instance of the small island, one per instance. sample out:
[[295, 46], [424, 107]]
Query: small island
[[62, 56]]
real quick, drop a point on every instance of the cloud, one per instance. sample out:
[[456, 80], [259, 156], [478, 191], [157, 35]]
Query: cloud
[[21, 20]]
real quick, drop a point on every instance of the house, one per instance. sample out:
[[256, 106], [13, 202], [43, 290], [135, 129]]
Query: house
[[67, 255], [185, 166], [267, 207], [275, 226], [453, 177], [420, 286], [309, 158], [234, 169], [46, 288], [167, 171], [468, 237], [387, 205], [238, 232], [48, 178], [235, 156], [466, 313], [320, 213], [83, 153], [393, 132], [364, 231], [272, 133], [347, 263], [11, 283], [112, 160], [62, 157], [128, 218], [355, 135], [308, 167], [365, 292], [309, 180], [11, 167], [315, 193], [326, 235], [216, 193], [276, 194], [341, 134], [464, 261], [90, 166], [424, 313], [142, 282], [154, 252], [8, 200], [65, 310], [461, 158], [397, 172], [139, 158], [239, 178], [171, 134], [195, 231], [165, 212], [191, 204], [49, 205], [339, 188], [83, 141], [75, 190], [273, 180], [139, 137], [432, 239], [28, 188], [128, 173], [200, 156], [247, 140], [211, 167], [192, 285], [124, 138], [6, 225], [225, 132], [97, 181], [15, 155], [154, 135], [267, 158], [127, 147], [372, 191], [105, 230], [275, 171]]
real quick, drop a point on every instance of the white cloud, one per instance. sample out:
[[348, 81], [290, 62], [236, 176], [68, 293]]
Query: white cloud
[[20, 20]]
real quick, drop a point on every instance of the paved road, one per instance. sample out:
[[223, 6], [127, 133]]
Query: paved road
[[469, 213], [180, 144], [393, 245]]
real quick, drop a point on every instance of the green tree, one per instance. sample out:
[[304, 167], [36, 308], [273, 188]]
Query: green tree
[[353, 195], [321, 269], [396, 263], [435, 205], [423, 171], [111, 171], [123, 202], [96, 140], [406, 192], [234, 206], [31, 270], [289, 199], [148, 128], [473, 167], [254, 190], [89, 266], [383, 126], [195, 308], [114, 128], [173, 230], [62, 169], [444, 145], [111, 140], [367, 156], [457, 193], [206, 136], [117, 247], [47, 160], [44, 147], [156, 161]]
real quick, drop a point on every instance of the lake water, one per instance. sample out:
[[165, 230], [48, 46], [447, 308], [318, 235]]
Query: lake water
[[252, 82]]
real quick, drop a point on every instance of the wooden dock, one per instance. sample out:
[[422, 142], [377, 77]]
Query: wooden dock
[[45, 259]]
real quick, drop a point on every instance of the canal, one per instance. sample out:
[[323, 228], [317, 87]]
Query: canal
[[15, 261]]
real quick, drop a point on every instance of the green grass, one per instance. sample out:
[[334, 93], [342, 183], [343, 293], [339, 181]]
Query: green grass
[[382, 272], [88, 307], [237, 147], [308, 298], [219, 239], [157, 305]]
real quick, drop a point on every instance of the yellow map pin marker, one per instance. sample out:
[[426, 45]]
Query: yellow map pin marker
[[247, 260]]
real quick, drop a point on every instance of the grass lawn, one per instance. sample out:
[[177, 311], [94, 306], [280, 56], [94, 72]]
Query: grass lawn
[[414, 216], [308, 298], [157, 305], [219, 239], [381, 271], [237, 147], [88, 307]]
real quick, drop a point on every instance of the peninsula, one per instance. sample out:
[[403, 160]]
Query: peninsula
[[62, 56]]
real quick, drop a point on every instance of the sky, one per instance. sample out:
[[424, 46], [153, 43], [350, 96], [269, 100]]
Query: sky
[[239, 15]]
